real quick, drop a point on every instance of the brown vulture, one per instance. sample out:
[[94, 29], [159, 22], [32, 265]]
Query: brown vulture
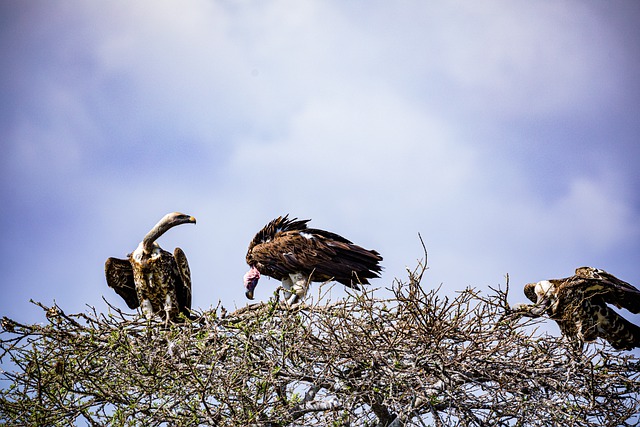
[[287, 250], [579, 304], [152, 278]]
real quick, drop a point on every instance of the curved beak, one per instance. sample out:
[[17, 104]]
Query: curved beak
[[249, 294]]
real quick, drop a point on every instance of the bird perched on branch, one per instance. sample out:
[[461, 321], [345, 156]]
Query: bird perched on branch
[[287, 250], [579, 304], [152, 278]]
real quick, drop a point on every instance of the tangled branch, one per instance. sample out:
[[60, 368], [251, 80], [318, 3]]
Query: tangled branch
[[414, 358]]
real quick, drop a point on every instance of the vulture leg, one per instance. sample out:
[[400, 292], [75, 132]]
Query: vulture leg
[[147, 308], [293, 299], [167, 309], [290, 296], [300, 286], [297, 285]]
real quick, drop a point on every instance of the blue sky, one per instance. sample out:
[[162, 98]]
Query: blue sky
[[505, 132]]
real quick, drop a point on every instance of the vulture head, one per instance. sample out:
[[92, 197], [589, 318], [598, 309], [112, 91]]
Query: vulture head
[[167, 222], [539, 291], [176, 218], [251, 278]]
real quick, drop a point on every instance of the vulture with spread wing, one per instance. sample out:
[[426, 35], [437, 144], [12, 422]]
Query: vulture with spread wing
[[152, 278], [579, 304], [287, 250]]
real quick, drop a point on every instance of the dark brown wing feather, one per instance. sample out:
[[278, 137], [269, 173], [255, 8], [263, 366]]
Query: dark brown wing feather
[[612, 290], [276, 227], [621, 334], [119, 274], [280, 249], [183, 286], [278, 257]]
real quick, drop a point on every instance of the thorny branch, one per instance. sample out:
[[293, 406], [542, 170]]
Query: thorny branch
[[414, 358]]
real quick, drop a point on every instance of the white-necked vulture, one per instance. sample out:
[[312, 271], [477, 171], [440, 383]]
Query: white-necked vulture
[[152, 278], [287, 250], [580, 306]]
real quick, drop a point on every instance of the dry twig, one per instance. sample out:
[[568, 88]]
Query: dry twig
[[412, 359]]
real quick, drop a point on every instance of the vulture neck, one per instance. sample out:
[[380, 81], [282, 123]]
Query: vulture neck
[[158, 230]]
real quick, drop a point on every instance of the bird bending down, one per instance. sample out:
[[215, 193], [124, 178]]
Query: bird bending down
[[579, 305], [152, 278], [287, 250]]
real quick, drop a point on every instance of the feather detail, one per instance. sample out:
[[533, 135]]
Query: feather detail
[[287, 247], [579, 304], [152, 278]]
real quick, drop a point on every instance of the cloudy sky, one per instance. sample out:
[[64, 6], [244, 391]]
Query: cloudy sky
[[504, 132]]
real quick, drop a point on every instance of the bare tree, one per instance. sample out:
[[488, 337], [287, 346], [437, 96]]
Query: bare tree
[[412, 359]]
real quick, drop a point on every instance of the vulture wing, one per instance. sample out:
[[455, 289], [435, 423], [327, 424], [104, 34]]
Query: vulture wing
[[119, 274], [621, 334], [183, 287], [286, 246], [285, 254], [320, 254], [612, 290], [347, 263]]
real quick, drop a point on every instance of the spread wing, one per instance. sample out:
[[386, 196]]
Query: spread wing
[[119, 276], [183, 287], [612, 290], [621, 334]]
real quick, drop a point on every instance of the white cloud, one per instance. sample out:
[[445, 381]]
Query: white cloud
[[595, 213], [370, 145], [353, 115], [497, 57]]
